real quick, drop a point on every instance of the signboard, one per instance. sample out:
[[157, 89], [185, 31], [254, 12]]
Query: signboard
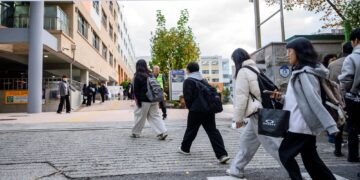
[[284, 71], [177, 79], [16, 97]]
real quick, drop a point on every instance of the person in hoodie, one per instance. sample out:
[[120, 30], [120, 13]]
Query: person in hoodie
[[350, 84], [308, 115], [246, 107], [197, 119]]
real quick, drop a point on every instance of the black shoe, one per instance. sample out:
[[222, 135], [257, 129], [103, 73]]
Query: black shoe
[[338, 154], [68, 112], [164, 117], [58, 112]]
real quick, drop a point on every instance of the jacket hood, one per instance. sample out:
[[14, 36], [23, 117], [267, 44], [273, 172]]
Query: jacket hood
[[320, 71], [249, 62], [196, 75], [357, 49]]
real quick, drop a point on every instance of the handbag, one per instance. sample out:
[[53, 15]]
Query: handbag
[[273, 122]]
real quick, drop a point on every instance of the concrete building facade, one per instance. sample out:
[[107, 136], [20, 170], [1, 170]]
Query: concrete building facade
[[216, 71], [85, 40]]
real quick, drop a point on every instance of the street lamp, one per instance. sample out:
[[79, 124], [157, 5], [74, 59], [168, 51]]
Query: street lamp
[[258, 23]]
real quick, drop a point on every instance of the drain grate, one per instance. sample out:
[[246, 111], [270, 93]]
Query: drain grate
[[8, 119]]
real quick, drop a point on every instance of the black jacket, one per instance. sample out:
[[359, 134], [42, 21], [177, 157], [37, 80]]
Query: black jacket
[[191, 94], [140, 88]]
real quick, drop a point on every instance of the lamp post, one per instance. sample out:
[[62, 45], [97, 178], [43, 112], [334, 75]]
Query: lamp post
[[258, 23]]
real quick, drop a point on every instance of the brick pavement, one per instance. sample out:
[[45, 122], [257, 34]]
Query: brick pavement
[[90, 152]]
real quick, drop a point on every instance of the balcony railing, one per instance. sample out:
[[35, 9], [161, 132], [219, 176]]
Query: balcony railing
[[22, 83]]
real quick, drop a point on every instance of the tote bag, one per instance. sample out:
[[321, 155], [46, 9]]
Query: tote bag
[[273, 122]]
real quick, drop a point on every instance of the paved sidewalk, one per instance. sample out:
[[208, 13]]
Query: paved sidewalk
[[97, 145]]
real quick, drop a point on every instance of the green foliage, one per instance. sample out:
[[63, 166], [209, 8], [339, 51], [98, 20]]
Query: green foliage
[[125, 84], [336, 12], [173, 48], [226, 95]]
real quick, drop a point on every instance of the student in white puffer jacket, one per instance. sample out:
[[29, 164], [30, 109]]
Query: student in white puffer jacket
[[245, 106]]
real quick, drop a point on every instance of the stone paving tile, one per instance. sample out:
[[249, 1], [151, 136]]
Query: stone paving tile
[[111, 152], [30, 171]]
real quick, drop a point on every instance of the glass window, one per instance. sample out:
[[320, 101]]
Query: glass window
[[215, 63], [215, 80], [82, 26], [111, 60], [95, 41], [96, 6], [104, 51], [215, 72], [110, 31], [110, 5], [205, 71], [115, 38], [104, 19]]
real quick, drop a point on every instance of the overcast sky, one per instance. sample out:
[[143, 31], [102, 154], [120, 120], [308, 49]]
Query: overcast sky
[[220, 26]]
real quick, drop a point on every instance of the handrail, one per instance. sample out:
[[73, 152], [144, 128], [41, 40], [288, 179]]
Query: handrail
[[22, 83]]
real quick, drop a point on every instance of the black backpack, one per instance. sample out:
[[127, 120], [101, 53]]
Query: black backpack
[[209, 100], [265, 84]]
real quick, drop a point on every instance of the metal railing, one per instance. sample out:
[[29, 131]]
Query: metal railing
[[22, 83]]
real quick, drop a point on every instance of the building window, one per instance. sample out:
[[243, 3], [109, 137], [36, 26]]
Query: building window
[[111, 60], [82, 26], [96, 6], [95, 41], [110, 5], [215, 80], [110, 31], [104, 51], [215, 63], [205, 71], [104, 19], [204, 63], [115, 38], [215, 72]]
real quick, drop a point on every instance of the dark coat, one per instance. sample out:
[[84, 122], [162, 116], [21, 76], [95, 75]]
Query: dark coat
[[191, 94], [140, 88]]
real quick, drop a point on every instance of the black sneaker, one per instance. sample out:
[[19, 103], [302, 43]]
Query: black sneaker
[[58, 112], [338, 154]]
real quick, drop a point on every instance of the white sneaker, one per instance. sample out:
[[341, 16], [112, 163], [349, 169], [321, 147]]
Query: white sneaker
[[240, 175], [183, 152], [224, 159]]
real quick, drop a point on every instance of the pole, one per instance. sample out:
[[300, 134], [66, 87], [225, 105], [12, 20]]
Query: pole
[[257, 24], [282, 21], [35, 65]]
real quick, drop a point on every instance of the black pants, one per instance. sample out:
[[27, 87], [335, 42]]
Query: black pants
[[353, 124], [102, 97], [84, 99], [61, 105], [163, 108], [339, 140], [93, 97], [88, 102], [195, 120], [295, 143]]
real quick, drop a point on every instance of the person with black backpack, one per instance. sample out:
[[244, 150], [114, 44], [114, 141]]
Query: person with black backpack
[[147, 92], [248, 99], [203, 102]]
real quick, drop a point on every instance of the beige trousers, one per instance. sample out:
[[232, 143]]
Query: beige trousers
[[149, 111]]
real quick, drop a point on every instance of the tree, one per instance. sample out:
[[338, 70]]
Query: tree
[[344, 13], [173, 48]]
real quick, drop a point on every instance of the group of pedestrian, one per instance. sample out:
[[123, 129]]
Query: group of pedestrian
[[303, 99], [89, 93]]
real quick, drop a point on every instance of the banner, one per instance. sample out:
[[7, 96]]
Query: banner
[[177, 80], [16, 97]]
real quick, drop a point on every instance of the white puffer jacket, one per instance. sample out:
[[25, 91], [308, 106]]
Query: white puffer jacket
[[246, 83]]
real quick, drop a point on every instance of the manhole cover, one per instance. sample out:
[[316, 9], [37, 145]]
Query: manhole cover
[[8, 119]]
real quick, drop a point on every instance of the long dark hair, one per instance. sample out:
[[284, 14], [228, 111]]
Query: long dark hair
[[142, 68], [305, 53], [239, 56]]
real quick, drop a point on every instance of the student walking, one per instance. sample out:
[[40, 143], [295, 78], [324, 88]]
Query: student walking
[[350, 83], [84, 93], [161, 79], [64, 91], [197, 118], [308, 115], [334, 71], [245, 105], [89, 92], [145, 109], [103, 91]]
